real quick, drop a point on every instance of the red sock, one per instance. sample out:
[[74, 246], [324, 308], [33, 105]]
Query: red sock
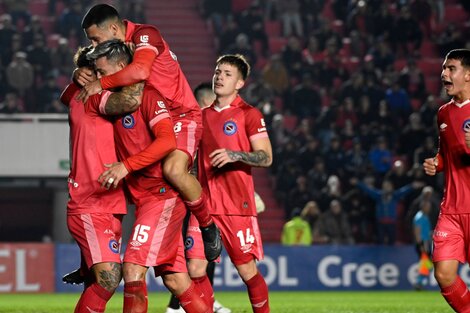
[[135, 297], [192, 300], [457, 295], [93, 299], [205, 286], [198, 208], [258, 293]]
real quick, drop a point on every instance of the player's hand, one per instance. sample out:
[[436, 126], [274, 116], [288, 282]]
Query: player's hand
[[83, 76], [430, 166], [89, 89], [131, 46], [220, 157], [112, 176]]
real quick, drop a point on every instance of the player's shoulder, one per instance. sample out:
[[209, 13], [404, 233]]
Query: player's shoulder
[[151, 92]]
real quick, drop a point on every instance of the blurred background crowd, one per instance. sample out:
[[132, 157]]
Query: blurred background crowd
[[349, 90]]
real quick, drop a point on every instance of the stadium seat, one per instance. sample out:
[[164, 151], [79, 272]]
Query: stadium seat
[[273, 28], [290, 122], [38, 7], [276, 44], [53, 41], [337, 26], [416, 104], [456, 14], [430, 66], [240, 5], [433, 85], [48, 24], [278, 104], [428, 49]]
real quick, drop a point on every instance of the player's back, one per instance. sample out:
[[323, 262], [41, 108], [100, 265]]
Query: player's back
[[91, 146], [166, 75]]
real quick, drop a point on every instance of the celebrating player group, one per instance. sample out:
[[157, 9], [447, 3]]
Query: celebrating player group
[[135, 128]]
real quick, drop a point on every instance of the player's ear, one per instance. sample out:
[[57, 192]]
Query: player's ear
[[240, 84], [467, 74]]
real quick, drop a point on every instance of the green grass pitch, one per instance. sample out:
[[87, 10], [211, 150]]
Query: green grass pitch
[[281, 302]]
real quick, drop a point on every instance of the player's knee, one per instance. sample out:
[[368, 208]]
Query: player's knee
[[444, 277], [176, 283], [133, 272], [109, 276], [174, 172], [196, 269]]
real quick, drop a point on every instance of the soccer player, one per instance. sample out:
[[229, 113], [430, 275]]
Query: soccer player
[[452, 232], [143, 138], [94, 214], [234, 140], [157, 65]]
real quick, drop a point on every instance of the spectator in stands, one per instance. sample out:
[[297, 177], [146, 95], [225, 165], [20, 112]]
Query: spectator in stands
[[9, 52], [398, 174], [135, 11], [399, 102], [305, 100], [20, 76], [55, 106], [331, 190], [412, 80], [361, 216], [421, 11], [258, 91], [275, 74], [387, 199], [451, 38], [228, 34], [291, 55], [70, 21], [39, 56], [355, 160], [296, 231], [11, 104], [406, 31], [47, 93], [353, 88], [311, 213], [252, 24], [382, 22], [291, 18], [242, 46], [308, 153], [278, 133], [380, 157], [382, 55], [32, 30], [299, 195], [333, 225], [19, 11], [412, 136], [428, 113], [60, 58], [426, 150], [216, 13], [7, 33]]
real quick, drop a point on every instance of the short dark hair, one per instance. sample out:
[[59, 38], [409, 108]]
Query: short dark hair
[[80, 58], [463, 55], [201, 87], [237, 60], [113, 49], [98, 14]]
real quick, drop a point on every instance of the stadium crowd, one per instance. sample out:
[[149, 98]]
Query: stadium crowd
[[349, 112]]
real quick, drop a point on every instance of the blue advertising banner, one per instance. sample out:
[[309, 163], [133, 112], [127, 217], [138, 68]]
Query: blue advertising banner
[[302, 268]]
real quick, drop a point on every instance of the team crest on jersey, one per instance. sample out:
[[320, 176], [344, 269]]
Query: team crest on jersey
[[128, 121], [466, 126], [230, 128], [114, 246], [188, 243]]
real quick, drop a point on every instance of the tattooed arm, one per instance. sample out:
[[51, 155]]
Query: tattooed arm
[[125, 101], [261, 156]]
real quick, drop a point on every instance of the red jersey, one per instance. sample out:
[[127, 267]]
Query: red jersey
[[166, 75], [91, 146], [133, 133], [453, 120], [230, 189]]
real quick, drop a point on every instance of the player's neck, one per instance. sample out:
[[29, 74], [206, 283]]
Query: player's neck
[[224, 101]]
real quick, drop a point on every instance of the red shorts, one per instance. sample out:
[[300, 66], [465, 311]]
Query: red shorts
[[240, 235], [451, 238], [156, 232], [188, 131], [98, 236]]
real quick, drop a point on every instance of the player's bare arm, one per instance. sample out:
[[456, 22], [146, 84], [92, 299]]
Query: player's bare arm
[[261, 156], [89, 89], [126, 101]]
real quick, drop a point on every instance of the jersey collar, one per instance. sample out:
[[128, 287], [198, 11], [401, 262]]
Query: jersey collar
[[460, 104], [130, 27], [235, 103]]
